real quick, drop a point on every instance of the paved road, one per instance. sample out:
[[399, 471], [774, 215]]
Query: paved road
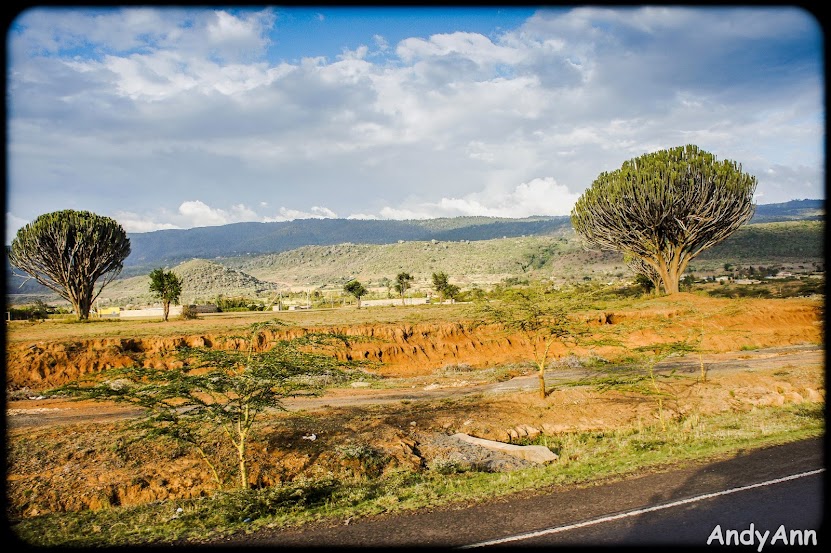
[[615, 513], [791, 502]]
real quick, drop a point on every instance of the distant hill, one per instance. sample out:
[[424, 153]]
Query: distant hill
[[795, 210], [200, 279], [241, 239], [486, 262], [251, 259], [244, 239]]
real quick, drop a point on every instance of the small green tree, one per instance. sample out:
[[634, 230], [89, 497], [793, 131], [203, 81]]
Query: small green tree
[[387, 283], [646, 285], [166, 286], [219, 391], [441, 283], [540, 314], [69, 252], [403, 281], [645, 381], [356, 289]]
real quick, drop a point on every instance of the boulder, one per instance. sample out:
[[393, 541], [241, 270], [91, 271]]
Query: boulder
[[528, 431], [534, 453]]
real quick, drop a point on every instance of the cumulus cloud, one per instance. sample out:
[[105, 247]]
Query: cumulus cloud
[[13, 224], [183, 103], [540, 196], [363, 216], [316, 212], [134, 222], [198, 214], [232, 37]]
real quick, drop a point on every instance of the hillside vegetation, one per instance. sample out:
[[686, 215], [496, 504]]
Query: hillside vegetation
[[486, 262], [559, 256], [169, 247], [243, 239]]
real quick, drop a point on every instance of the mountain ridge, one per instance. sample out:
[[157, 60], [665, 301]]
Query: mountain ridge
[[172, 246], [517, 246]]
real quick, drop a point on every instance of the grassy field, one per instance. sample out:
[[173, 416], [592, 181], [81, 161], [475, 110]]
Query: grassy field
[[227, 323]]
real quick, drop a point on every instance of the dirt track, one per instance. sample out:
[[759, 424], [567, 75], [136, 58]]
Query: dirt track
[[55, 412]]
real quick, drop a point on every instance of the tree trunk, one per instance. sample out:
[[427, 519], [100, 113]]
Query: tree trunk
[[166, 307], [243, 467], [542, 381], [77, 307], [670, 275], [82, 307]]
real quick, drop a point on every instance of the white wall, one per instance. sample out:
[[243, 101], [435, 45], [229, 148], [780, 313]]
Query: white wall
[[150, 312]]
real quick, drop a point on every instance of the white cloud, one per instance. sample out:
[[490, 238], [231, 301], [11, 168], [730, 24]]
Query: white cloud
[[540, 196], [234, 38], [316, 212], [381, 43], [13, 224], [134, 222], [196, 213], [184, 103], [363, 216]]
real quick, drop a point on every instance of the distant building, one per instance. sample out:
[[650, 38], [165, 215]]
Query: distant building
[[110, 312]]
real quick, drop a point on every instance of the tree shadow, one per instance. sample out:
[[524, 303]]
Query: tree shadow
[[726, 495]]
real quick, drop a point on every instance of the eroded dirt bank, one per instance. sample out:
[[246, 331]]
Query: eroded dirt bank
[[77, 465], [74, 465], [714, 325]]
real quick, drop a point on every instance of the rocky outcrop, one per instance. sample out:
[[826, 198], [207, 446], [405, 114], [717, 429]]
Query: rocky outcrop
[[535, 453]]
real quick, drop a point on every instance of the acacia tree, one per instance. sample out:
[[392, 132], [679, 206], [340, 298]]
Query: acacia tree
[[665, 208], [540, 315], [69, 251], [356, 289], [221, 391], [403, 281], [166, 286], [442, 285]]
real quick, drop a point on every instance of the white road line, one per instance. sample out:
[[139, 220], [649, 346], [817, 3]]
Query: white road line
[[636, 512]]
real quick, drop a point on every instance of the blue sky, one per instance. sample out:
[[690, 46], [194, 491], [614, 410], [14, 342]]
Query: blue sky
[[168, 117]]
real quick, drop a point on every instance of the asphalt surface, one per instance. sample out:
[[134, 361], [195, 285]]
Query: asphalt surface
[[681, 518]]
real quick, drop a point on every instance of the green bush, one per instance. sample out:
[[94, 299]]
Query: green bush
[[36, 312], [189, 312]]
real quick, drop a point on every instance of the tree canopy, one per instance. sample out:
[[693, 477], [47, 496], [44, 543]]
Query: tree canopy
[[402, 284], [69, 251], [441, 283], [539, 313], [356, 289], [221, 394], [665, 208], [166, 286]]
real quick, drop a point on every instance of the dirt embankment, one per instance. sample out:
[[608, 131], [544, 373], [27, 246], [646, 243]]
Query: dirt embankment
[[418, 349], [73, 465]]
